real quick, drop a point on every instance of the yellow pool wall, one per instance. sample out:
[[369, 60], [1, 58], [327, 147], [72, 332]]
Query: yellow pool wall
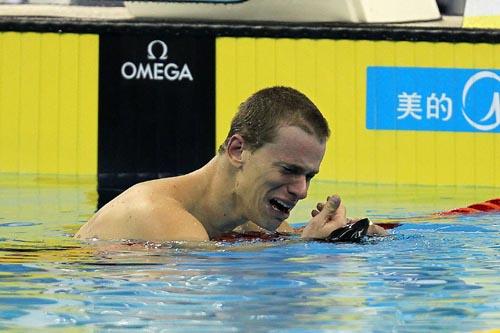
[[48, 103], [333, 74]]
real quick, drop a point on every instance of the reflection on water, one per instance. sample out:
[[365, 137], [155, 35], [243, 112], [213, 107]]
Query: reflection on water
[[430, 275]]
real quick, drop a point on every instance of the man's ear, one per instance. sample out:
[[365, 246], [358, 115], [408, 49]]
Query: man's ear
[[234, 150]]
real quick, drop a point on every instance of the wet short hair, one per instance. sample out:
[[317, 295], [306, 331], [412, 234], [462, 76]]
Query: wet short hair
[[262, 114]]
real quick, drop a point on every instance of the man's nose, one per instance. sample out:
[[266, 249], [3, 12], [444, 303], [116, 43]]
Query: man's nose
[[299, 187]]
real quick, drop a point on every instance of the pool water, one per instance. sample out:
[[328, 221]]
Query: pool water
[[429, 275]]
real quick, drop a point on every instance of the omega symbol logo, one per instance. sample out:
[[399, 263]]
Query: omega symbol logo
[[164, 48], [491, 112], [156, 67]]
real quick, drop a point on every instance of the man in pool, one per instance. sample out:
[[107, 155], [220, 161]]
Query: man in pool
[[274, 148]]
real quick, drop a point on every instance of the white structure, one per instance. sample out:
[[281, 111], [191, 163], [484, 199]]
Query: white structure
[[373, 11]]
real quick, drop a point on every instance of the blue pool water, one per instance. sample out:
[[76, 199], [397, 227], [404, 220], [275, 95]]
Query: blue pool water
[[430, 275]]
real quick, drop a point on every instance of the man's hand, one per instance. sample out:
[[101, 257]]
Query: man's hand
[[326, 218], [330, 216]]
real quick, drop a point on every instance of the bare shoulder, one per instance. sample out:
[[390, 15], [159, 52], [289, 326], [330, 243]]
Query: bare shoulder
[[144, 212]]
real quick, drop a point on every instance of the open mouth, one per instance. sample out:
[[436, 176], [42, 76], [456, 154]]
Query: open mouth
[[281, 206]]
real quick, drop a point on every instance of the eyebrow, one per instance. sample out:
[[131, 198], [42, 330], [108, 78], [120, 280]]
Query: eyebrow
[[297, 168]]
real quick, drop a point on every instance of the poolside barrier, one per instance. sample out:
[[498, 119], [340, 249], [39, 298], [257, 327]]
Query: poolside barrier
[[131, 100]]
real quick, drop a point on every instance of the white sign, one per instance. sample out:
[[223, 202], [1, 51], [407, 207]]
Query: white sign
[[156, 68]]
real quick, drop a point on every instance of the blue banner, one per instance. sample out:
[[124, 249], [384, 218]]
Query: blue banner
[[433, 99]]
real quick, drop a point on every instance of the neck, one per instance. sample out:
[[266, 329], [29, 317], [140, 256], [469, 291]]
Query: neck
[[217, 206]]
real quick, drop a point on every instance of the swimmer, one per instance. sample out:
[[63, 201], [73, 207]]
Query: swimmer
[[274, 148]]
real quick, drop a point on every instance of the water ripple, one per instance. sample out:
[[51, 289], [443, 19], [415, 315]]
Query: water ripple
[[19, 224]]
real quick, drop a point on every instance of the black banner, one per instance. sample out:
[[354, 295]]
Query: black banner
[[156, 108]]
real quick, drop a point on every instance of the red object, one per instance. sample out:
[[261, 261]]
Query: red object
[[492, 205], [494, 201], [249, 236], [387, 226]]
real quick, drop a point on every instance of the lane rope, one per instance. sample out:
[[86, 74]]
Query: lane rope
[[488, 206]]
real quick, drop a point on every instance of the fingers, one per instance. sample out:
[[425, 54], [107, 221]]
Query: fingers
[[320, 205], [333, 203], [328, 216]]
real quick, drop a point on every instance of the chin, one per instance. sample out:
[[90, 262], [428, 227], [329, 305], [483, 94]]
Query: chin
[[271, 224]]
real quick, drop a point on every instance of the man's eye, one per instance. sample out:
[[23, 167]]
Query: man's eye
[[288, 170]]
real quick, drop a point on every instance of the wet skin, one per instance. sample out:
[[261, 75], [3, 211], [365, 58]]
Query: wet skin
[[272, 179], [235, 187]]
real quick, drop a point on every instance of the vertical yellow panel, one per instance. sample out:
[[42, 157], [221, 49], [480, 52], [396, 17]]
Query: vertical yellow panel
[[366, 147], [68, 97], [465, 149], [385, 143], [30, 90], [48, 134], [305, 64], [225, 100], [484, 142], [425, 149], [48, 114], [9, 101], [445, 142], [88, 73], [325, 86], [2, 37], [245, 72], [345, 136], [285, 62], [265, 68], [3, 157]]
